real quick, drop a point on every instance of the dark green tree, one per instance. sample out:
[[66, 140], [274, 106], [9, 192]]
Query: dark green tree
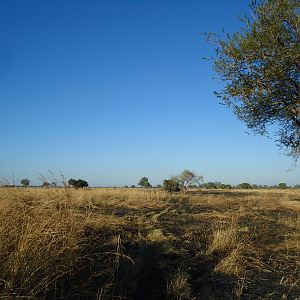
[[282, 185], [72, 182], [260, 66], [80, 183], [144, 182], [25, 182]]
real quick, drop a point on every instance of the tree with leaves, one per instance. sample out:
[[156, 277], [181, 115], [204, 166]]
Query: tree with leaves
[[72, 182], [282, 185], [244, 186], [144, 182], [260, 66], [25, 182], [187, 178], [80, 183]]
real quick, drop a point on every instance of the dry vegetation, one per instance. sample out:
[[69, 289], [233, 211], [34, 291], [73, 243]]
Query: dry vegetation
[[147, 244]]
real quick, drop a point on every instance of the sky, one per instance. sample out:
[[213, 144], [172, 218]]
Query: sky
[[111, 90]]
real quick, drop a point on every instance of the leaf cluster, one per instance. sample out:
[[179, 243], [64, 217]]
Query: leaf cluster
[[260, 66]]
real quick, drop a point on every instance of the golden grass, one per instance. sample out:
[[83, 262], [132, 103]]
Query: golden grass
[[62, 243]]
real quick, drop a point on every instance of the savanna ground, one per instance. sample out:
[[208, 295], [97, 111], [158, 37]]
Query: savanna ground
[[62, 243]]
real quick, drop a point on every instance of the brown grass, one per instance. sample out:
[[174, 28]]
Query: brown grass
[[61, 243]]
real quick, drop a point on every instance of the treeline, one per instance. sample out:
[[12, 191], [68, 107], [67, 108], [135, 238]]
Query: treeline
[[185, 180], [190, 180]]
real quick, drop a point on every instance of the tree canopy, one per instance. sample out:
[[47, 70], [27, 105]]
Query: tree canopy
[[187, 178], [144, 182], [25, 182], [80, 183], [260, 66]]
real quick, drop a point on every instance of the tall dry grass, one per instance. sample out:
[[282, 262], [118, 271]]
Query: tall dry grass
[[61, 243]]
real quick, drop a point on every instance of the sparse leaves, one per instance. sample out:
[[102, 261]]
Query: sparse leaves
[[260, 66]]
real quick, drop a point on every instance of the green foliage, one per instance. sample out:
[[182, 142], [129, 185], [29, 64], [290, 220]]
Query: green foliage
[[260, 66], [72, 182], [144, 182], [25, 182], [245, 186], [171, 185], [282, 185], [78, 183]]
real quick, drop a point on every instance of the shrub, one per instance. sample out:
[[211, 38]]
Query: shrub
[[245, 185], [171, 185], [78, 183]]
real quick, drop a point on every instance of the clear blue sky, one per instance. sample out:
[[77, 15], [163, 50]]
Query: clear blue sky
[[110, 91]]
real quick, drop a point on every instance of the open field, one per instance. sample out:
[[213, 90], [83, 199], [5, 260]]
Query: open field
[[147, 244]]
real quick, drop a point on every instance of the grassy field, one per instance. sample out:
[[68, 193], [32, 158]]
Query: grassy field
[[147, 244]]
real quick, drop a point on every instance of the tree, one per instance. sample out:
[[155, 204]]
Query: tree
[[245, 186], [171, 185], [46, 184], [72, 182], [78, 183], [260, 66], [187, 178], [210, 185], [282, 185], [25, 182], [225, 186], [144, 182]]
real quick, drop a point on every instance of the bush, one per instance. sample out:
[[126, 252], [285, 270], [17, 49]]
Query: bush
[[78, 183], [171, 185], [245, 185], [282, 185]]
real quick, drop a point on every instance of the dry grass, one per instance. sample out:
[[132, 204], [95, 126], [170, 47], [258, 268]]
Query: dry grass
[[178, 286], [60, 243]]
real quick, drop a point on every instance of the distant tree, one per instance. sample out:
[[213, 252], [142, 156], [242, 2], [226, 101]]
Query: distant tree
[[297, 186], [225, 186], [282, 185], [144, 182], [126, 186], [245, 186], [72, 182], [159, 186], [80, 183], [25, 182], [260, 67], [45, 184], [209, 185], [171, 185], [132, 186], [187, 178]]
